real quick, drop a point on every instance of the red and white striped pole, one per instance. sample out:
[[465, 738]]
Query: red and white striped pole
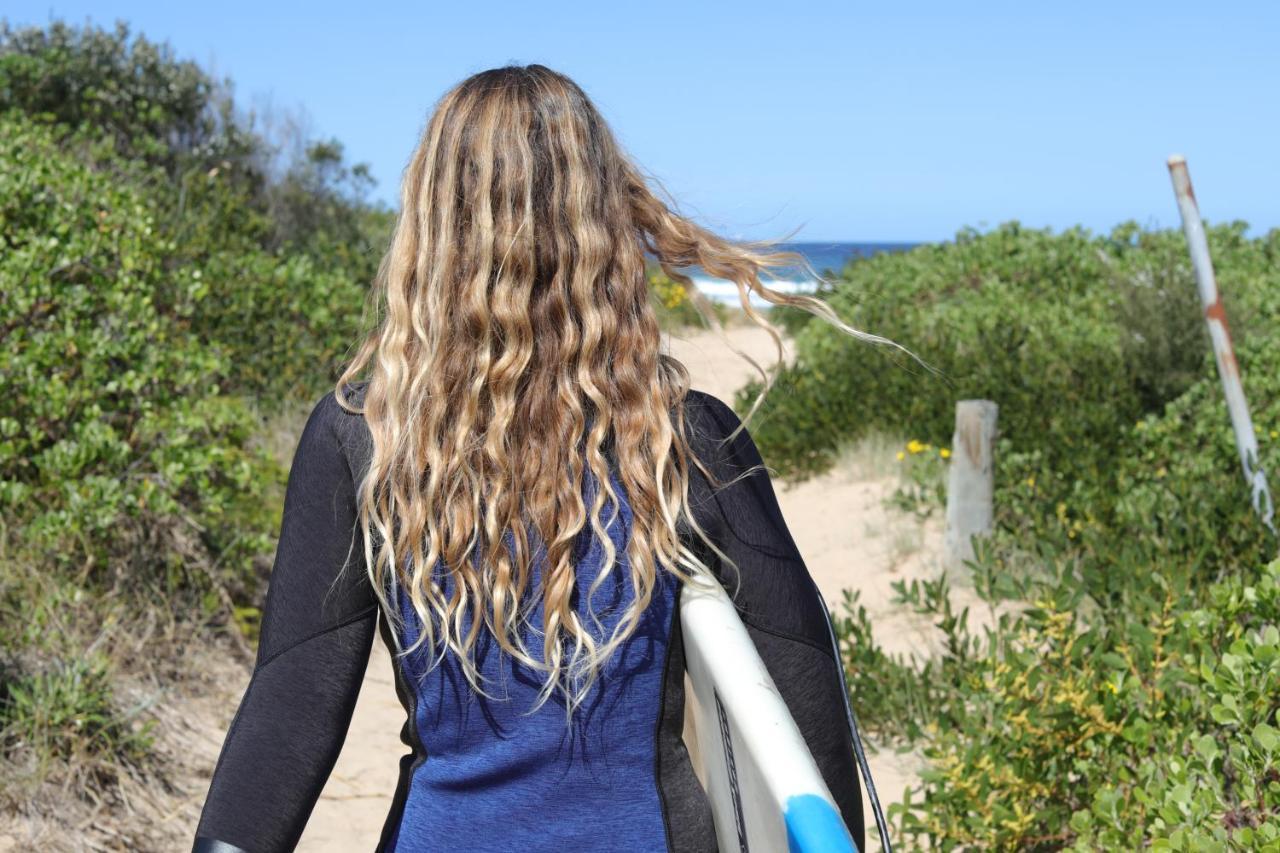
[[1220, 334]]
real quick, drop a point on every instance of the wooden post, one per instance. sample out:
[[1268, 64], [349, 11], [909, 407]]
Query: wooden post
[[972, 478]]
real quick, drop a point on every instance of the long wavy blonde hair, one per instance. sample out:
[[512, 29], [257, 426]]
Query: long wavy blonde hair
[[514, 349]]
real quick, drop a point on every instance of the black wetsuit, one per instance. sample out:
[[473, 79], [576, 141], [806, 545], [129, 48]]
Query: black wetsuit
[[481, 777]]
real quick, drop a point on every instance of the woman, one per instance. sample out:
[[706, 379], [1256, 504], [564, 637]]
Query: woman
[[519, 486]]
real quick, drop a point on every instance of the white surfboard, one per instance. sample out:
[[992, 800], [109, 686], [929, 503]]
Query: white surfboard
[[767, 794]]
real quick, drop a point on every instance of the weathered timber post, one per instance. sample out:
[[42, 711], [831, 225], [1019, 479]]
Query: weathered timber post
[[1220, 335], [971, 481]]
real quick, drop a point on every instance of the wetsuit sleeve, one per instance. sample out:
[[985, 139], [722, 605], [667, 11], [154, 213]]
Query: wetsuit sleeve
[[776, 597], [317, 630]]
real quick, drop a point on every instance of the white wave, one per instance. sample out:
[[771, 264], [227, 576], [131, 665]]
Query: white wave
[[719, 290]]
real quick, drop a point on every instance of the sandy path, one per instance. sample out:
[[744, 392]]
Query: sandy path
[[839, 521]]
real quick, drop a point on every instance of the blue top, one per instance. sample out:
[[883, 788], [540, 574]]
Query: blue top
[[491, 763]]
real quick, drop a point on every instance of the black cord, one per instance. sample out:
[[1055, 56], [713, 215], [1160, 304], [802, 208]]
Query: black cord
[[882, 826]]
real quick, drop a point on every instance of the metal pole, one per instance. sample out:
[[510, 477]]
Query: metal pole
[[1216, 318]]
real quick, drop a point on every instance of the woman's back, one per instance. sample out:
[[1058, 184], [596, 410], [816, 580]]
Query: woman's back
[[483, 762], [516, 492]]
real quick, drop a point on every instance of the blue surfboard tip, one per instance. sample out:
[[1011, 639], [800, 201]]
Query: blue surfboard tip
[[814, 826]]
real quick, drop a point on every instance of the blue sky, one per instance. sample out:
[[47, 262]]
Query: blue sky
[[849, 121]]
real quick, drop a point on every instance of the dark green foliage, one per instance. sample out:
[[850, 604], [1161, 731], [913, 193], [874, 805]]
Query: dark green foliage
[[119, 441], [216, 178], [165, 283], [150, 105], [1175, 495], [312, 204], [137, 92]]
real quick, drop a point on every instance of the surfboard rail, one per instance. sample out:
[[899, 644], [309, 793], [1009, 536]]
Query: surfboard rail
[[766, 791]]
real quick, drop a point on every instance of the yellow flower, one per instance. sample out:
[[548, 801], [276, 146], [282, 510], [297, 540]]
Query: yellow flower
[[914, 446], [901, 456], [1275, 434], [1031, 481], [671, 293], [944, 453]]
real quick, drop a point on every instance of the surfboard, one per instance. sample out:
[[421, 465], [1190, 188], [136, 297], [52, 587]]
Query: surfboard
[[767, 794]]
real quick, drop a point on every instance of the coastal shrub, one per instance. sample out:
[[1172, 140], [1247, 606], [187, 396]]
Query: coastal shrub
[[1126, 693], [1076, 336], [151, 106], [130, 488], [1175, 496], [119, 442], [899, 698], [171, 283], [267, 246], [1083, 730]]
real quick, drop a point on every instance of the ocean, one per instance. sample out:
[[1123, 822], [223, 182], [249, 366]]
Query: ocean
[[823, 257]]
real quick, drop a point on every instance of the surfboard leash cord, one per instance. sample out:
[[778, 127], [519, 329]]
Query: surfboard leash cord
[[882, 826]]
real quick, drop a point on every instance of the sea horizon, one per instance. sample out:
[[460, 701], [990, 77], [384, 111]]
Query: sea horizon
[[827, 257]]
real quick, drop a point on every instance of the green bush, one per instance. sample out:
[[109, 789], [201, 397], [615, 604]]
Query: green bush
[[119, 443], [1175, 496], [1075, 336], [1090, 731], [169, 279], [151, 106], [1126, 692], [1123, 697], [263, 255]]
